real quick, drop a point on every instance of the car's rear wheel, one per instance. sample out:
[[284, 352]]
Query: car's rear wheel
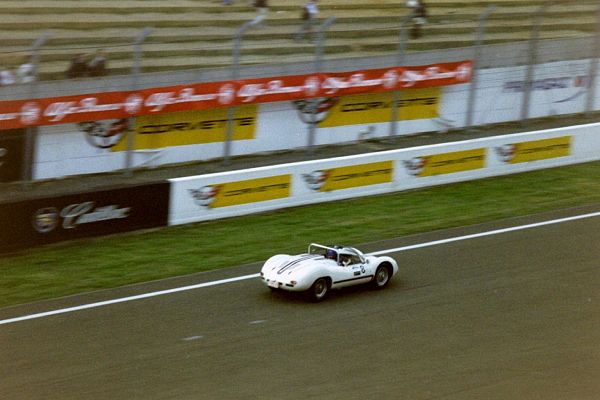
[[319, 290], [382, 277]]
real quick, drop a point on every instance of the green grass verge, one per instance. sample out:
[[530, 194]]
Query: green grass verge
[[124, 259]]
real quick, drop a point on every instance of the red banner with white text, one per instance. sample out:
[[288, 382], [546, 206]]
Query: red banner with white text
[[112, 105]]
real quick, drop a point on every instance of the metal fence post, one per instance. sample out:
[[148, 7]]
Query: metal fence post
[[533, 57], [592, 76], [314, 103], [30, 133], [479, 35], [235, 71], [35, 53], [395, 105], [135, 76]]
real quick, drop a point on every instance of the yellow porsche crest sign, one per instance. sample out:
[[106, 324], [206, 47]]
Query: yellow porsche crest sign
[[535, 150], [373, 108], [243, 192], [190, 127], [446, 163], [350, 176]]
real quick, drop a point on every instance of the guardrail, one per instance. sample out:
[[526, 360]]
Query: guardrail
[[237, 193]]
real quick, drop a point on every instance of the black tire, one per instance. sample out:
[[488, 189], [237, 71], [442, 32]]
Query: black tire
[[319, 290], [382, 277]]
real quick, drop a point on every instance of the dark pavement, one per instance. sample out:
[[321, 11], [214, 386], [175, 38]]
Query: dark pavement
[[508, 316]]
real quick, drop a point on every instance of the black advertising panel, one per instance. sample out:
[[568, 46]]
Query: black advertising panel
[[12, 148], [51, 220]]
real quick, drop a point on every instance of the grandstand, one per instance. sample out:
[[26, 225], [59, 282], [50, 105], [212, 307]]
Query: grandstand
[[191, 34]]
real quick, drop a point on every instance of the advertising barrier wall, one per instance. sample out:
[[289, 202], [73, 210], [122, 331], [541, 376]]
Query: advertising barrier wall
[[236, 193], [51, 220], [558, 88], [12, 150], [198, 135], [99, 146]]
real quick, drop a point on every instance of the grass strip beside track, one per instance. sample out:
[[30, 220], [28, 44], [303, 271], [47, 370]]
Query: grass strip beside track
[[125, 259]]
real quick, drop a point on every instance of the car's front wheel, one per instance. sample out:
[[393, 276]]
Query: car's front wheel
[[382, 277], [319, 290]]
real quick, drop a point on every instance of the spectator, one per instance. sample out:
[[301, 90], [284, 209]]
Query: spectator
[[97, 66], [6, 77], [309, 15], [78, 67], [26, 71], [419, 17], [262, 8]]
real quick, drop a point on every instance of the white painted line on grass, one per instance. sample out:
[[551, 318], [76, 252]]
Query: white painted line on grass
[[252, 276]]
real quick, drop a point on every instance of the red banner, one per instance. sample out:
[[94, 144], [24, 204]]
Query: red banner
[[110, 105]]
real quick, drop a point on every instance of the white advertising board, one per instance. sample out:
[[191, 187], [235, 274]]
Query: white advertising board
[[234, 193], [557, 88]]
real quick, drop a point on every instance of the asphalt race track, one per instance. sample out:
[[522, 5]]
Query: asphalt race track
[[508, 316]]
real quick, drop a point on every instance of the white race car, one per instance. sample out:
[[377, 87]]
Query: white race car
[[324, 268]]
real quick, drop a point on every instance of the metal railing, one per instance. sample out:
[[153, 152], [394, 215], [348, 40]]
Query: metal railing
[[483, 55]]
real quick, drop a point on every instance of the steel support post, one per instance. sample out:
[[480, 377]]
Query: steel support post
[[135, 77], [533, 59], [395, 105], [235, 71], [479, 37], [30, 133], [314, 103], [592, 76]]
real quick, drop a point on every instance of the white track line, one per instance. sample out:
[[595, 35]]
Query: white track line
[[488, 233], [125, 299], [252, 276]]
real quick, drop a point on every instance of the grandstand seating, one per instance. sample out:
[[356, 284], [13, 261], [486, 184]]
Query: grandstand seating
[[191, 34]]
